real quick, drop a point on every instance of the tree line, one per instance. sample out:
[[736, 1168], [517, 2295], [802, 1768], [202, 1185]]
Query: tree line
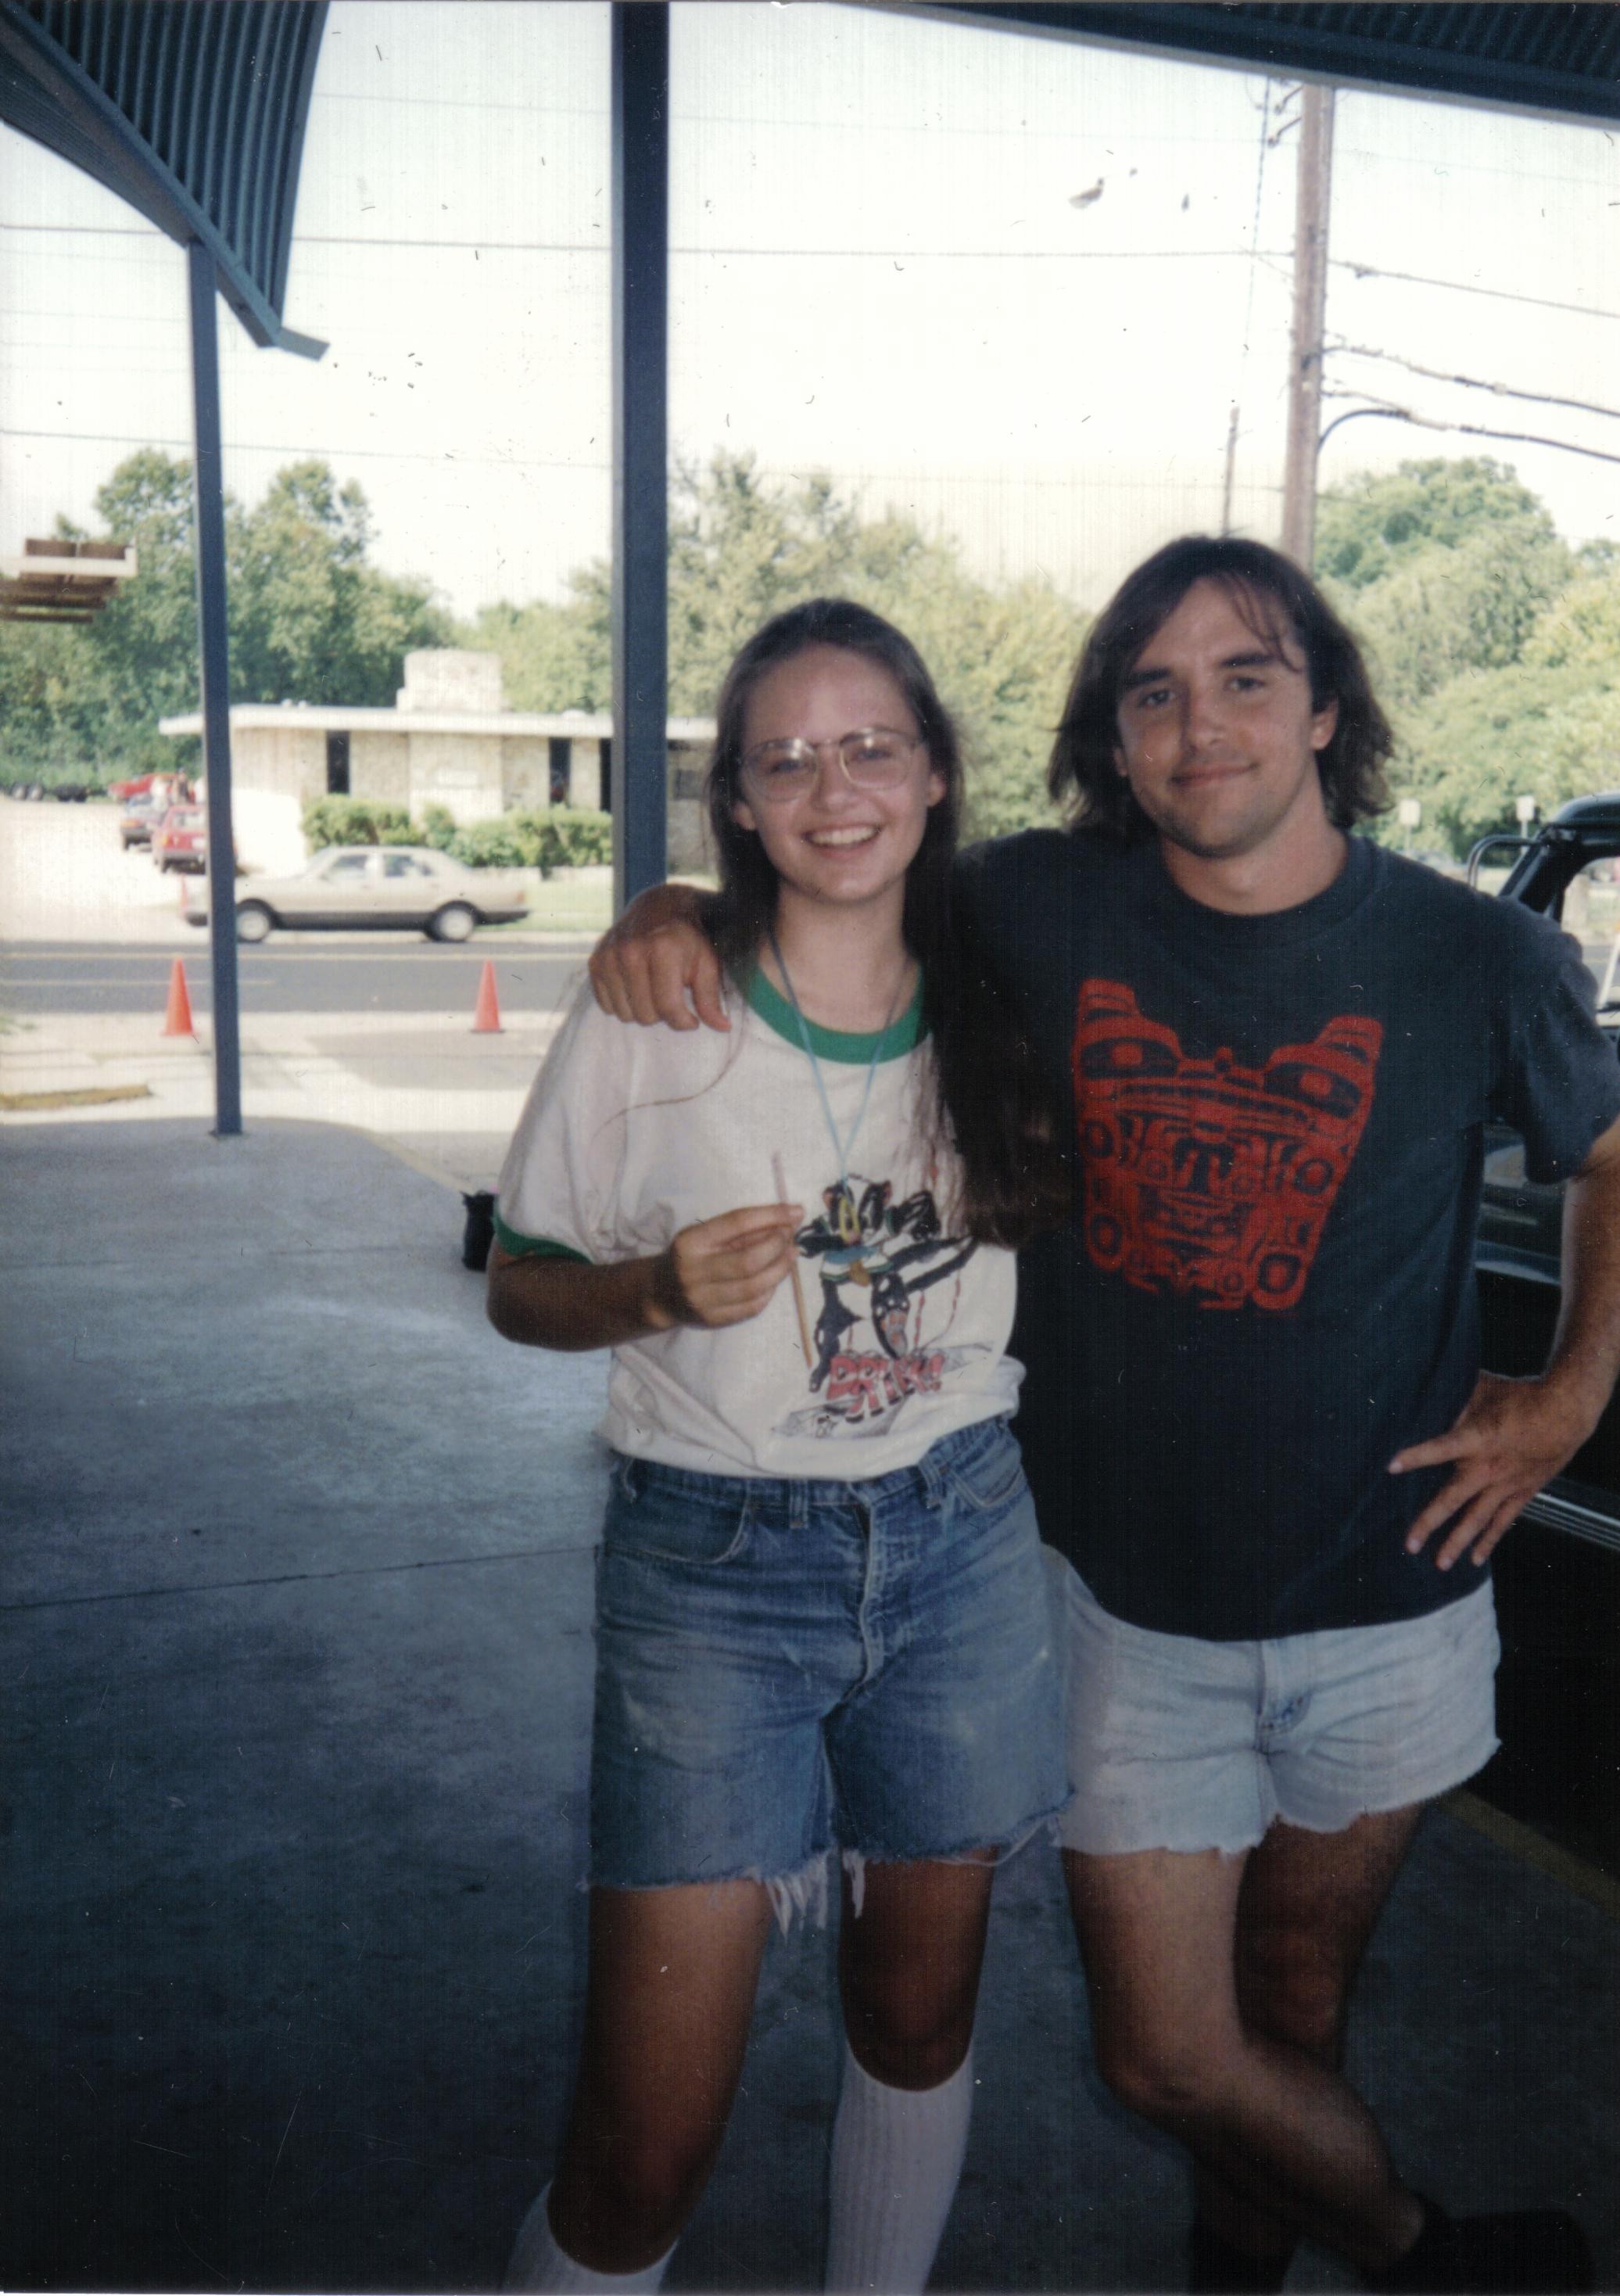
[[311, 619], [1495, 645], [741, 550]]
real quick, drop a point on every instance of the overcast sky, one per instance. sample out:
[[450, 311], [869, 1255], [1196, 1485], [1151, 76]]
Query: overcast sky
[[879, 270]]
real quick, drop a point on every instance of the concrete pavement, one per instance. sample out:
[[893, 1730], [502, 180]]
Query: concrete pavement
[[294, 1631], [427, 1084], [441, 1093], [295, 1598]]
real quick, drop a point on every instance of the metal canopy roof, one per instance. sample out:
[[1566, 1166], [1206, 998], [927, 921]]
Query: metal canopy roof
[[1551, 57], [193, 114]]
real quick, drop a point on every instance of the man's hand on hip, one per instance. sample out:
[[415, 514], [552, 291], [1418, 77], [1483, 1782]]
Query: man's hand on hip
[[1511, 1436]]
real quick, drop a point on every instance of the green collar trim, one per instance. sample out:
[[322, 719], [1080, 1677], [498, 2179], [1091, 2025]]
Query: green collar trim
[[891, 1044]]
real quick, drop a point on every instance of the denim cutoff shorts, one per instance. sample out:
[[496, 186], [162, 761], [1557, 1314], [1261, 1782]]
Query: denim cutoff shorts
[[785, 1665], [1176, 1743]]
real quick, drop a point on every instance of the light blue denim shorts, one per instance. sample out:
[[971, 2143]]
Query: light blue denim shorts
[[783, 1666], [1175, 1743]]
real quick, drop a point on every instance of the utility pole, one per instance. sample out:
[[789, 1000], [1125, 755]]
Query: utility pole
[[1315, 184]]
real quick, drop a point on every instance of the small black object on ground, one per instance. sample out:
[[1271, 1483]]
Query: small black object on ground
[[478, 1233]]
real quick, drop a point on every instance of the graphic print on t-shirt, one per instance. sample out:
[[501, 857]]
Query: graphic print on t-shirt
[[876, 1259], [1204, 1177]]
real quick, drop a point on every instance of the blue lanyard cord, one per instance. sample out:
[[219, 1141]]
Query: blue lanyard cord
[[842, 1148]]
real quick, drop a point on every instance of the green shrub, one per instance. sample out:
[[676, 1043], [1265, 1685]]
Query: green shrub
[[508, 842], [570, 838], [52, 777], [561, 838], [557, 838], [355, 821]]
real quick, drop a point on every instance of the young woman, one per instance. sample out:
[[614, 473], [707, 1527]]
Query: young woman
[[821, 1620]]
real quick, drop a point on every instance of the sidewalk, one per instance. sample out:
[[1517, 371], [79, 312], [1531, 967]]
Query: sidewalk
[[294, 1629], [426, 1082], [440, 1094]]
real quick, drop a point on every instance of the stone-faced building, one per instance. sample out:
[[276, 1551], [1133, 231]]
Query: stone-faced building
[[448, 741]]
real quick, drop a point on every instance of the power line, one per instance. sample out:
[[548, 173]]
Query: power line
[[1456, 169], [1388, 409], [1235, 416], [1254, 230], [992, 254], [767, 254], [307, 454], [871, 255], [464, 104], [1468, 287], [850, 474], [880, 254], [1141, 140], [1473, 382], [338, 239]]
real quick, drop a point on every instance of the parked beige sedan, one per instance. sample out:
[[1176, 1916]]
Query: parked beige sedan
[[367, 888]]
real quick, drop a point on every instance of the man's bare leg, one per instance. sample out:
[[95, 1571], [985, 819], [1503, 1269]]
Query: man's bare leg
[[1283, 2132], [1307, 1906]]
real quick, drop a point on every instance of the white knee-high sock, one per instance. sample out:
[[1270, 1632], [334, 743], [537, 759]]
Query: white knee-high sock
[[896, 2155], [537, 2263]]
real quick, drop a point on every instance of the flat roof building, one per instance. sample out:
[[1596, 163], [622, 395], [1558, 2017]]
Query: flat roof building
[[448, 741]]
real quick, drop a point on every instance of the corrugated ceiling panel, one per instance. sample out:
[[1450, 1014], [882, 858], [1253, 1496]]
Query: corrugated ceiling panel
[[1558, 56], [214, 92], [1579, 42]]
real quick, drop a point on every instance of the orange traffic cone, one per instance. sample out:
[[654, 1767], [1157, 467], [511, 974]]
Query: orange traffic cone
[[177, 1019], [486, 1016]]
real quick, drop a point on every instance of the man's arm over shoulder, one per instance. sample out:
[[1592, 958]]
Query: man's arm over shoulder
[[657, 963]]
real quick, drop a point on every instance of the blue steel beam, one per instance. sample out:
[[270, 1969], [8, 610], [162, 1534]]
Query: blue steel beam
[[208, 483], [641, 385]]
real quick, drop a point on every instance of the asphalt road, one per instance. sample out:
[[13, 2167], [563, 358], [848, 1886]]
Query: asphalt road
[[326, 974]]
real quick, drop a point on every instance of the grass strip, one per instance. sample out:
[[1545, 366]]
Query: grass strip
[[87, 1096]]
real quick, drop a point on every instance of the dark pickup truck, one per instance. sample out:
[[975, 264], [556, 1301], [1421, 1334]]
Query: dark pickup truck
[[1557, 1573]]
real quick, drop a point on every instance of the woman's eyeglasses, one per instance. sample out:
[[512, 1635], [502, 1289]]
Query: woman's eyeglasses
[[874, 758]]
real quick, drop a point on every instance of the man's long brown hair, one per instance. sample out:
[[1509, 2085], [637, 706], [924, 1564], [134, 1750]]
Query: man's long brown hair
[[1278, 602]]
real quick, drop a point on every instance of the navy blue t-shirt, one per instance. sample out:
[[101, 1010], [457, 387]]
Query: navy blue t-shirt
[[1267, 1289]]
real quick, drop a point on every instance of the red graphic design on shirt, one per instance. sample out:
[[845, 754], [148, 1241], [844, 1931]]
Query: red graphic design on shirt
[[1206, 1178]]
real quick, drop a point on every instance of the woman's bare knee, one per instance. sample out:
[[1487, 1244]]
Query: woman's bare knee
[[909, 2017], [909, 1966], [670, 1995], [908, 2043], [644, 2185]]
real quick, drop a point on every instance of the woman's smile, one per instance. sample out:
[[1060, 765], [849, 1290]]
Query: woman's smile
[[831, 842]]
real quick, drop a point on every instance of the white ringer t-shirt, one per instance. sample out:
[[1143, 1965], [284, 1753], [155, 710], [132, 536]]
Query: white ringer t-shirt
[[630, 1135]]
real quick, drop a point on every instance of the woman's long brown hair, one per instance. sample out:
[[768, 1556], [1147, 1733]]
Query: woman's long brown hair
[[990, 1100]]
